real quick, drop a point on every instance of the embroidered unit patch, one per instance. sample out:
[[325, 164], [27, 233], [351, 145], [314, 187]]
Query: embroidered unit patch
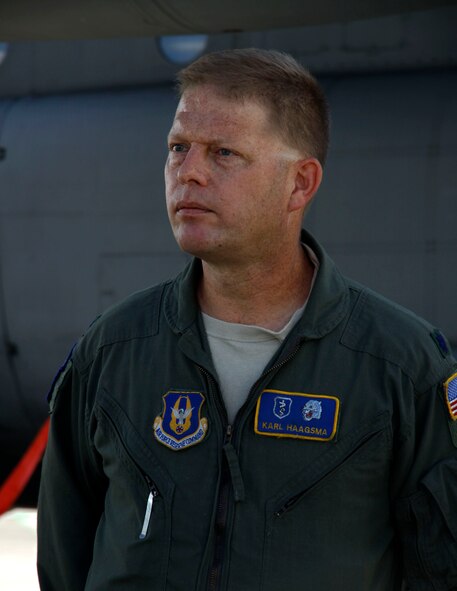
[[450, 392], [180, 425], [296, 415]]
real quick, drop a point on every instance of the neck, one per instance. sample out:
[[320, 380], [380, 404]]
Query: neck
[[263, 293]]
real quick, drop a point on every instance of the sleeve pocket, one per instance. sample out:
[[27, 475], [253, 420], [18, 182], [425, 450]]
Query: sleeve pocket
[[427, 522]]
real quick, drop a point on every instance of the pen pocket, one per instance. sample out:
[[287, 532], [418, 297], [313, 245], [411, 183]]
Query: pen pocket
[[134, 534]]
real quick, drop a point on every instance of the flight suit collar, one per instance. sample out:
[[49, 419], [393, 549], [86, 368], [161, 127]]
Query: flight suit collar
[[181, 307], [329, 299], [326, 307]]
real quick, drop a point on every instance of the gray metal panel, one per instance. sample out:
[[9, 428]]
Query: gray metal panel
[[397, 42], [120, 274], [60, 66], [93, 186], [387, 210]]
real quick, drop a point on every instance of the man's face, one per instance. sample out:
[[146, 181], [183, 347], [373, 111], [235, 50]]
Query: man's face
[[228, 178]]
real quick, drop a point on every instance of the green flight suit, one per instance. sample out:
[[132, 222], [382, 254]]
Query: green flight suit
[[146, 488]]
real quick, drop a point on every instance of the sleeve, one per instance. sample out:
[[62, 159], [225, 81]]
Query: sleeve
[[426, 514], [71, 491]]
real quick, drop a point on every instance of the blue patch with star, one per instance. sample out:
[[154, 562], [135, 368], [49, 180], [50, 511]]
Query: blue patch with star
[[180, 424], [297, 415]]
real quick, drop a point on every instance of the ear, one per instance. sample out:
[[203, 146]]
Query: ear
[[308, 177]]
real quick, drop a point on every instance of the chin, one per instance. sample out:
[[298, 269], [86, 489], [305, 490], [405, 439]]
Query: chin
[[209, 244], [192, 246], [210, 253]]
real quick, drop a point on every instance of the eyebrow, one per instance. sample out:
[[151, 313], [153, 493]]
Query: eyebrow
[[179, 137]]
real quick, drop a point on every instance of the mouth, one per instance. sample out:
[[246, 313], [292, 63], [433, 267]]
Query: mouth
[[191, 208]]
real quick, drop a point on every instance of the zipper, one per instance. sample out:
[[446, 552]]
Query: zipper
[[220, 525], [220, 522], [228, 434], [220, 406], [277, 366], [273, 368], [292, 501], [153, 490], [153, 493]]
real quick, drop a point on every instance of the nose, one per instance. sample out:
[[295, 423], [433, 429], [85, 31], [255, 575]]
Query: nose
[[194, 167]]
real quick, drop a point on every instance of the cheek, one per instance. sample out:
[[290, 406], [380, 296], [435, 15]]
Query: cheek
[[168, 175], [171, 167], [170, 186], [169, 197]]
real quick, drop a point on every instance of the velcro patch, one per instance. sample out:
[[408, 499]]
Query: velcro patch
[[59, 379], [296, 415], [180, 425], [440, 342], [450, 392]]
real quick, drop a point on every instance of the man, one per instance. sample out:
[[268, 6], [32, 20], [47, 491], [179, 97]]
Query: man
[[260, 422]]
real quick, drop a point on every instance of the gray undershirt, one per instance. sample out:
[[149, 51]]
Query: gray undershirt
[[241, 352]]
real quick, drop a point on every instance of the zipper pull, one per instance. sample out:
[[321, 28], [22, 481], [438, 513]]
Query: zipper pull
[[228, 435], [288, 505], [153, 492]]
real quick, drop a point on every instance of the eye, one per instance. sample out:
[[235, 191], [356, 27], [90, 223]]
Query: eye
[[177, 147], [224, 152]]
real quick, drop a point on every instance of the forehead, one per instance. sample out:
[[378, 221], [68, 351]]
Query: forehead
[[203, 109]]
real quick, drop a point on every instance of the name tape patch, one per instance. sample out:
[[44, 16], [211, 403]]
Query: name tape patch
[[296, 415], [450, 391]]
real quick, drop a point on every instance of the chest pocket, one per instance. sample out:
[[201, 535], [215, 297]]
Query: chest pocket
[[134, 535], [330, 527]]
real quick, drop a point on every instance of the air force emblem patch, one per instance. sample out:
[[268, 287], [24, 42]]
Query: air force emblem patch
[[296, 415], [180, 425]]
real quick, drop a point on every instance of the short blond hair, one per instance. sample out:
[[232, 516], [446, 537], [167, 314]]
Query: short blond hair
[[298, 107]]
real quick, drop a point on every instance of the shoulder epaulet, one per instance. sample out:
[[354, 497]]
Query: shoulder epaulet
[[388, 331], [137, 316]]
